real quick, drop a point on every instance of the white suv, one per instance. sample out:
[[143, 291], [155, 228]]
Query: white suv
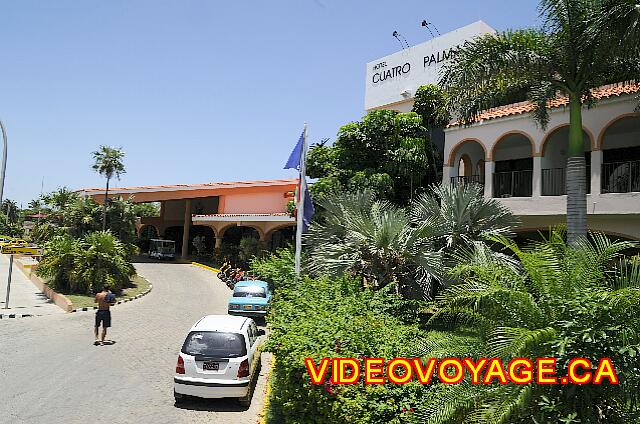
[[219, 358]]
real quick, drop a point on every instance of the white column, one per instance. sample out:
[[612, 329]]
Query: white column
[[596, 169], [537, 176], [446, 175], [489, 168]]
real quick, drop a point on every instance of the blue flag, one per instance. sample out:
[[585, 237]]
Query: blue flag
[[296, 155]]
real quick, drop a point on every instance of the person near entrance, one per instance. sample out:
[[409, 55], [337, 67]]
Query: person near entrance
[[104, 299]]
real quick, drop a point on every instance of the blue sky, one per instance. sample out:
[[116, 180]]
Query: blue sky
[[195, 90]]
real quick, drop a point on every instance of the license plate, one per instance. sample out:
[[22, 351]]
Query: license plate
[[248, 307], [210, 366]]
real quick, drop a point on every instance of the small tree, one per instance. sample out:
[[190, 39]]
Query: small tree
[[200, 246], [385, 153], [108, 163], [430, 102], [101, 260]]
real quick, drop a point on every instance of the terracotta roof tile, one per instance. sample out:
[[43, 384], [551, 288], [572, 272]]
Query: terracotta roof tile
[[202, 186], [604, 92]]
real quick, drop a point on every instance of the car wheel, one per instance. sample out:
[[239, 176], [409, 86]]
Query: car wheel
[[179, 398], [246, 400]]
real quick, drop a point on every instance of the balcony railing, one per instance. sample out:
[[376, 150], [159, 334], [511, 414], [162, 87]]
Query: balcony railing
[[471, 179], [620, 177], [554, 181], [512, 184]]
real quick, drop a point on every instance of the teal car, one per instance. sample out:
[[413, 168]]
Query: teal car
[[250, 298]]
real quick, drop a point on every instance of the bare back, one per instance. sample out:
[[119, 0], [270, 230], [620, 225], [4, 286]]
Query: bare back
[[103, 305]]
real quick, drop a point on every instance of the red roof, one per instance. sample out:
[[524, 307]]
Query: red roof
[[604, 92], [236, 184], [38, 215]]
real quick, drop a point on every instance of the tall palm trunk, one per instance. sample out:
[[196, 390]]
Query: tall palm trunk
[[104, 206], [576, 175]]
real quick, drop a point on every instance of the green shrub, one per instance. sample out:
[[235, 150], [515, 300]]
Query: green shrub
[[250, 247], [277, 268], [83, 266], [335, 318]]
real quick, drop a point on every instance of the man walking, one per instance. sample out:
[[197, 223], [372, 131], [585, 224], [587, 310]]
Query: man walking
[[104, 299]]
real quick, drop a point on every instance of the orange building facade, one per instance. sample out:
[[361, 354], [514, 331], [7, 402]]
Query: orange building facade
[[220, 212]]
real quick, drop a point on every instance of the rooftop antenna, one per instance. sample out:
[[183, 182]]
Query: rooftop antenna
[[427, 25], [398, 37]]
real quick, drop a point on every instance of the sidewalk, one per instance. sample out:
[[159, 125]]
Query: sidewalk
[[25, 298]]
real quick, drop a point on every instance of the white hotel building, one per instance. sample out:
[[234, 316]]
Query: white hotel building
[[519, 163]]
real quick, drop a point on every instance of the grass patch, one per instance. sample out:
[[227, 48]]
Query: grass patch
[[136, 286]]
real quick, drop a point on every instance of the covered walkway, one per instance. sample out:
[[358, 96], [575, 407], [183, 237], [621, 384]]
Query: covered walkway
[[211, 209]]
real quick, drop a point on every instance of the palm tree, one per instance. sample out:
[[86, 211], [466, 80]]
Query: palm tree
[[10, 208], [388, 245], [461, 215], [102, 260], [373, 239], [558, 301], [108, 163], [569, 56]]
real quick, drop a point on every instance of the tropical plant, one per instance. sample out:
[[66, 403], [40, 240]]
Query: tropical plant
[[11, 210], [83, 266], [250, 247], [327, 318], [620, 21], [461, 215], [58, 200], [58, 263], [430, 102], [200, 245], [386, 152], [144, 210], [276, 268], [385, 244], [108, 163], [569, 56], [373, 239], [84, 215], [558, 300], [101, 261], [9, 228]]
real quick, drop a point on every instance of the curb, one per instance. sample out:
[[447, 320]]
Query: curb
[[7, 316], [267, 393], [128, 299], [216, 270]]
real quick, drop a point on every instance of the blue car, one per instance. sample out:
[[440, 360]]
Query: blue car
[[250, 298]]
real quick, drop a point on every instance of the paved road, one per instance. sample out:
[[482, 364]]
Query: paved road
[[51, 372]]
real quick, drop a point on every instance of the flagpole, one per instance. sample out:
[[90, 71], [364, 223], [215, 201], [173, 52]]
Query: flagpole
[[301, 195]]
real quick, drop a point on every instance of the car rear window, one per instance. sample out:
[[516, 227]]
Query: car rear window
[[249, 292], [216, 344]]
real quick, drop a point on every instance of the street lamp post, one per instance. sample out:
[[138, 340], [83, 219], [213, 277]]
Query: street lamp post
[[4, 159], [4, 168]]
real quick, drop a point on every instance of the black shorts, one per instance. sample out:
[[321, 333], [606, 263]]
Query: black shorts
[[104, 317]]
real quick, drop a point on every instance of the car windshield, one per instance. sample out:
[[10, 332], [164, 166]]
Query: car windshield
[[249, 292], [216, 344]]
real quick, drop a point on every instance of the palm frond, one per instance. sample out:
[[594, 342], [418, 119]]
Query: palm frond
[[517, 341], [492, 67]]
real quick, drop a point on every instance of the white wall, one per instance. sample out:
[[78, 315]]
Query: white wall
[[595, 121], [410, 68], [490, 131]]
